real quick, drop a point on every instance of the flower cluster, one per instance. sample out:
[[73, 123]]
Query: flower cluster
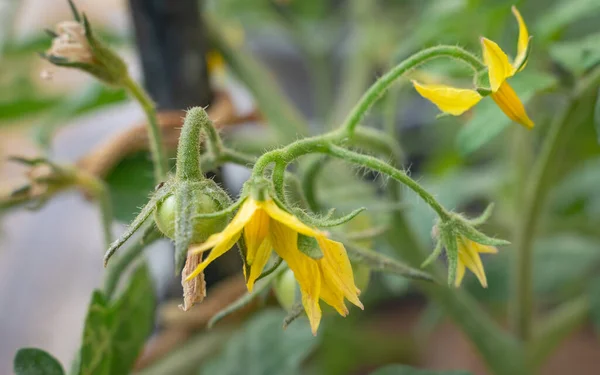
[[456, 101], [266, 227]]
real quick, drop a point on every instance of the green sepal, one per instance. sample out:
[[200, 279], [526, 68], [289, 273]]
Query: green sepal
[[485, 215], [295, 312], [278, 261], [326, 221], [309, 246], [222, 213], [184, 226], [74, 10], [434, 254], [473, 234], [159, 194], [481, 81], [448, 237]]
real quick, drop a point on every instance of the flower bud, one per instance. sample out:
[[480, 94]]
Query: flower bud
[[74, 46]]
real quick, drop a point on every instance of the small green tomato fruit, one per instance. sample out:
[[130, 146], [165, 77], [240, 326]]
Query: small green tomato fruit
[[286, 290], [164, 216]]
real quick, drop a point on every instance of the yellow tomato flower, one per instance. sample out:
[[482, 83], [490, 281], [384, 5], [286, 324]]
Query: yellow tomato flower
[[456, 101], [468, 257], [265, 228]]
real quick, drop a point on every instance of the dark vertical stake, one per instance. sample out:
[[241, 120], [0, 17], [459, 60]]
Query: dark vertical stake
[[172, 43]]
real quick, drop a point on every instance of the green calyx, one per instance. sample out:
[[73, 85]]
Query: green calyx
[[481, 81], [179, 215]]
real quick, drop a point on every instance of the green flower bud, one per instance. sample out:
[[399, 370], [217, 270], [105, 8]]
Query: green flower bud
[[75, 46]]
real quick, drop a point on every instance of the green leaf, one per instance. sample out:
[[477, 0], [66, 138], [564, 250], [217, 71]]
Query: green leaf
[[577, 56], [115, 333], [563, 14], [407, 370], [561, 260], [32, 361], [488, 120], [262, 347], [130, 183]]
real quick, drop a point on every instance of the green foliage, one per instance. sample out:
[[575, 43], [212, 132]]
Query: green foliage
[[563, 14], [130, 182], [31, 361], [115, 331], [407, 370], [488, 120], [261, 347], [577, 56]]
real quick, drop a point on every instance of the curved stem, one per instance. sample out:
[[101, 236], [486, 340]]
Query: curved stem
[[159, 157], [383, 83], [382, 167]]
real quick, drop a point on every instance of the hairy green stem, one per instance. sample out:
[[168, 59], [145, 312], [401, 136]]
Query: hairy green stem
[[159, 157], [533, 202], [188, 150], [383, 83]]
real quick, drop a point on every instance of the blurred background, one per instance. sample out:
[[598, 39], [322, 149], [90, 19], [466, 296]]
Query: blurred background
[[281, 65]]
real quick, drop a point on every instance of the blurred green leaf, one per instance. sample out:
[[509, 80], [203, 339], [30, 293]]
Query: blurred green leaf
[[579, 55], [19, 107], [488, 120], [115, 333], [262, 347], [32, 361], [407, 370], [562, 259], [581, 185], [563, 14], [130, 183]]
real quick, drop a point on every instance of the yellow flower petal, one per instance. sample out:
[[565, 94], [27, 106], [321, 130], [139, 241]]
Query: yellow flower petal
[[255, 232], [508, 101], [290, 220], [485, 249], [468, 256], [448, 99], [333, 297], [306, 271], [460, 274], [337, 270], [218, 250], [262, 255], [234, 228], [523, 42], [499, 68]]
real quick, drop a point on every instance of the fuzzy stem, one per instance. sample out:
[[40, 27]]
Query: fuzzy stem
[[159, 157], [188, 150], [383, 83]]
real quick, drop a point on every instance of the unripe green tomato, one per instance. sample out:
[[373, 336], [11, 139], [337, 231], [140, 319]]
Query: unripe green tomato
[[164, 216], [286, 290]]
